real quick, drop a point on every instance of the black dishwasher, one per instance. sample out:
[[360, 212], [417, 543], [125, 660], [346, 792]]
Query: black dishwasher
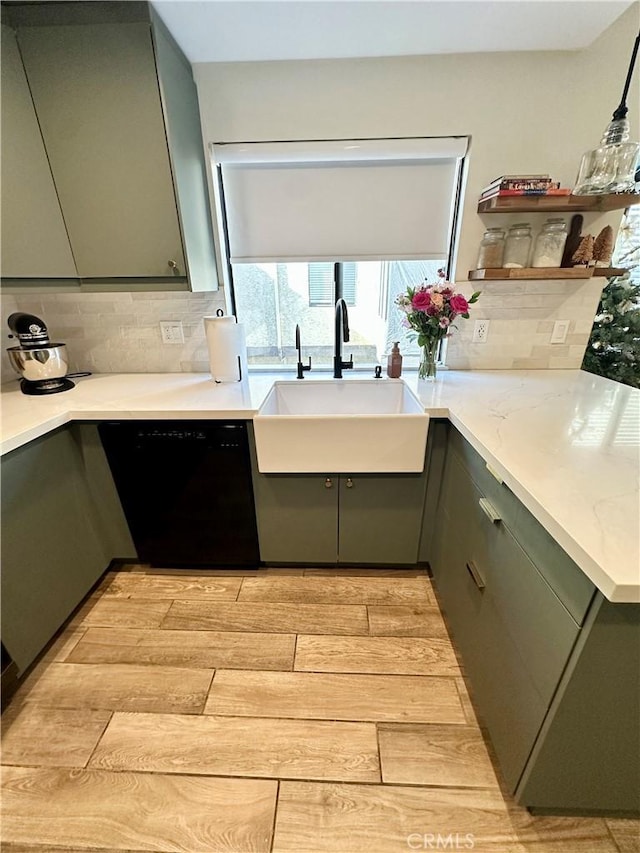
[[186, 490]]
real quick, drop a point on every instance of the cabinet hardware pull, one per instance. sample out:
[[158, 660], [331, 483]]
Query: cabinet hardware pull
[[173, 266], [328, 483], [494, 473], [475, 574], [349, 483], [489, 511]]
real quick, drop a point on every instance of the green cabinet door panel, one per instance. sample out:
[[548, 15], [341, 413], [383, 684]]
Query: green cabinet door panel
[[97, 99], [588, 754], [434, 465], [297, 518], [52, 552], [380, 518], [507, 701], [184, 133], [34, 240], [514, 633]]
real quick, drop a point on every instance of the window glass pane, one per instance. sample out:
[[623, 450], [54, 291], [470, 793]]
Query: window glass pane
[[272, 298]]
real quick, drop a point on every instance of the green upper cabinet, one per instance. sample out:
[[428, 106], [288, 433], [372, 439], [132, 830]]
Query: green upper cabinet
[[118, 112], [34, 239]]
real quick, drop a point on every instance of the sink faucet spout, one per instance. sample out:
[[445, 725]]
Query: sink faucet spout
[[341, 334]]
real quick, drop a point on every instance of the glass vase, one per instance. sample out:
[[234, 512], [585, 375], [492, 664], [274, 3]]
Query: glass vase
[[427, 366]]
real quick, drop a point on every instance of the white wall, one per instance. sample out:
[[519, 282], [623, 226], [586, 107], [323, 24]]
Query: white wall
[[526, 112]]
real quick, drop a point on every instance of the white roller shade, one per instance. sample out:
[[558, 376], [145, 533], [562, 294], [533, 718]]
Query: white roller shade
[[340, 200]]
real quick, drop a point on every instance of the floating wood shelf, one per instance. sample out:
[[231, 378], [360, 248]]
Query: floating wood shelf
[[558, 203], [532, 273], [608, 272]]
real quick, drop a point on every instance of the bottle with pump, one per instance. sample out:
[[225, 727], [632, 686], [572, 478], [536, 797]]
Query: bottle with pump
[[394, 362]]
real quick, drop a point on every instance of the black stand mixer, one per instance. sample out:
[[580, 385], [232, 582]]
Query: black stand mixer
[[42, 365]]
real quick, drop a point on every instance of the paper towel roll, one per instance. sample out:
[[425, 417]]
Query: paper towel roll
[[227, 348]]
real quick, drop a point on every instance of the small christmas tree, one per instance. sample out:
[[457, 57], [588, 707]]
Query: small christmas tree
[[603, 247], [584, 253], [614, 347]]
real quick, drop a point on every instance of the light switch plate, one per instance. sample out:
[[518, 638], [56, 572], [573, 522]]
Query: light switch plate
[[560, 330]]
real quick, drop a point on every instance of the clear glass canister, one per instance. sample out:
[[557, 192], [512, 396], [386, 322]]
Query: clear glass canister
[[550, 244], [491, 249], [518, 245]]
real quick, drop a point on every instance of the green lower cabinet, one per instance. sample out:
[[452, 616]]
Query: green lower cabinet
[[380, 518], [61, 526], [297, 518], [336, 518], [554, 667]]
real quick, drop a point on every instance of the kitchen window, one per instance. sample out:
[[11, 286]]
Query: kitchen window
[[384, 210]]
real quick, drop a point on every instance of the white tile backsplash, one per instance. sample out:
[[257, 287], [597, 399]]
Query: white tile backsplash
[[120, 332]]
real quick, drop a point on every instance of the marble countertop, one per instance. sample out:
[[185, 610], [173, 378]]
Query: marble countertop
[[565, 442]]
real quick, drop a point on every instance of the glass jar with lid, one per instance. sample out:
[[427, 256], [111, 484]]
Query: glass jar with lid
[[550, 242], [491, 249], [517, 246]]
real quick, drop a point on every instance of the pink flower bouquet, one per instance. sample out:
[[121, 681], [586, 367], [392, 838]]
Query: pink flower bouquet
[[430, 310]]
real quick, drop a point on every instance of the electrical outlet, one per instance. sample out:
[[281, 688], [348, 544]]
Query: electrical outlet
[[559, 333], [480, 332], [172, 333]]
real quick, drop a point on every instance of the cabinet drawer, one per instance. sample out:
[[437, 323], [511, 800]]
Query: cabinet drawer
[[497, 493], [571, 585], [536, 621], [503, 690]]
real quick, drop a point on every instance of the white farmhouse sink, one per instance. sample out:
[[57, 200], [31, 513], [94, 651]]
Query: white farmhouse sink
[[341, 426]]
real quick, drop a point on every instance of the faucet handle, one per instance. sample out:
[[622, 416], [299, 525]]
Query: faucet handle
[[348, 364], [303, 368], [378, 372]]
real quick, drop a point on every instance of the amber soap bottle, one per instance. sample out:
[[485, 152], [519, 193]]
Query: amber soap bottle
[[394, 362]]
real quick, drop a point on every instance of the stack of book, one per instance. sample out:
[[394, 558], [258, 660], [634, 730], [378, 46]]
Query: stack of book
[[507, 186]]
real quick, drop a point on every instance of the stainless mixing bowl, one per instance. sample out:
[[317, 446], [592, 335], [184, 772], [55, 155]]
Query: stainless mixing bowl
[[36, 365]]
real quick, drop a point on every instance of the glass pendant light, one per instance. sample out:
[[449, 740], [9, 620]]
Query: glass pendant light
[[611, 168]]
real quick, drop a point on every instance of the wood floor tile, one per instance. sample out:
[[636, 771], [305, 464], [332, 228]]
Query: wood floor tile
[[333, 818], [137, 811], [132, 585], [467, 704], [124, 613], [50, 737], [192, 649], [541, 834], [312, 589], [626, 834], [239, 746], [64, 644], [161, 689], [359, 572], [390, 655], [327, 696], [453, 756], [403, 620], [271, 617], [11, 847]]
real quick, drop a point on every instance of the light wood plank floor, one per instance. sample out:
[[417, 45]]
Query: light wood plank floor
[[271, 711]]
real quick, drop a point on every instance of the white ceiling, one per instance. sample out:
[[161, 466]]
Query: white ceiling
[[250, 30]]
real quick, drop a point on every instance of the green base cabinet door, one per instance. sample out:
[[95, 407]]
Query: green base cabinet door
[[297, 518], [52, 553], [62, 524], [380, 518]]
